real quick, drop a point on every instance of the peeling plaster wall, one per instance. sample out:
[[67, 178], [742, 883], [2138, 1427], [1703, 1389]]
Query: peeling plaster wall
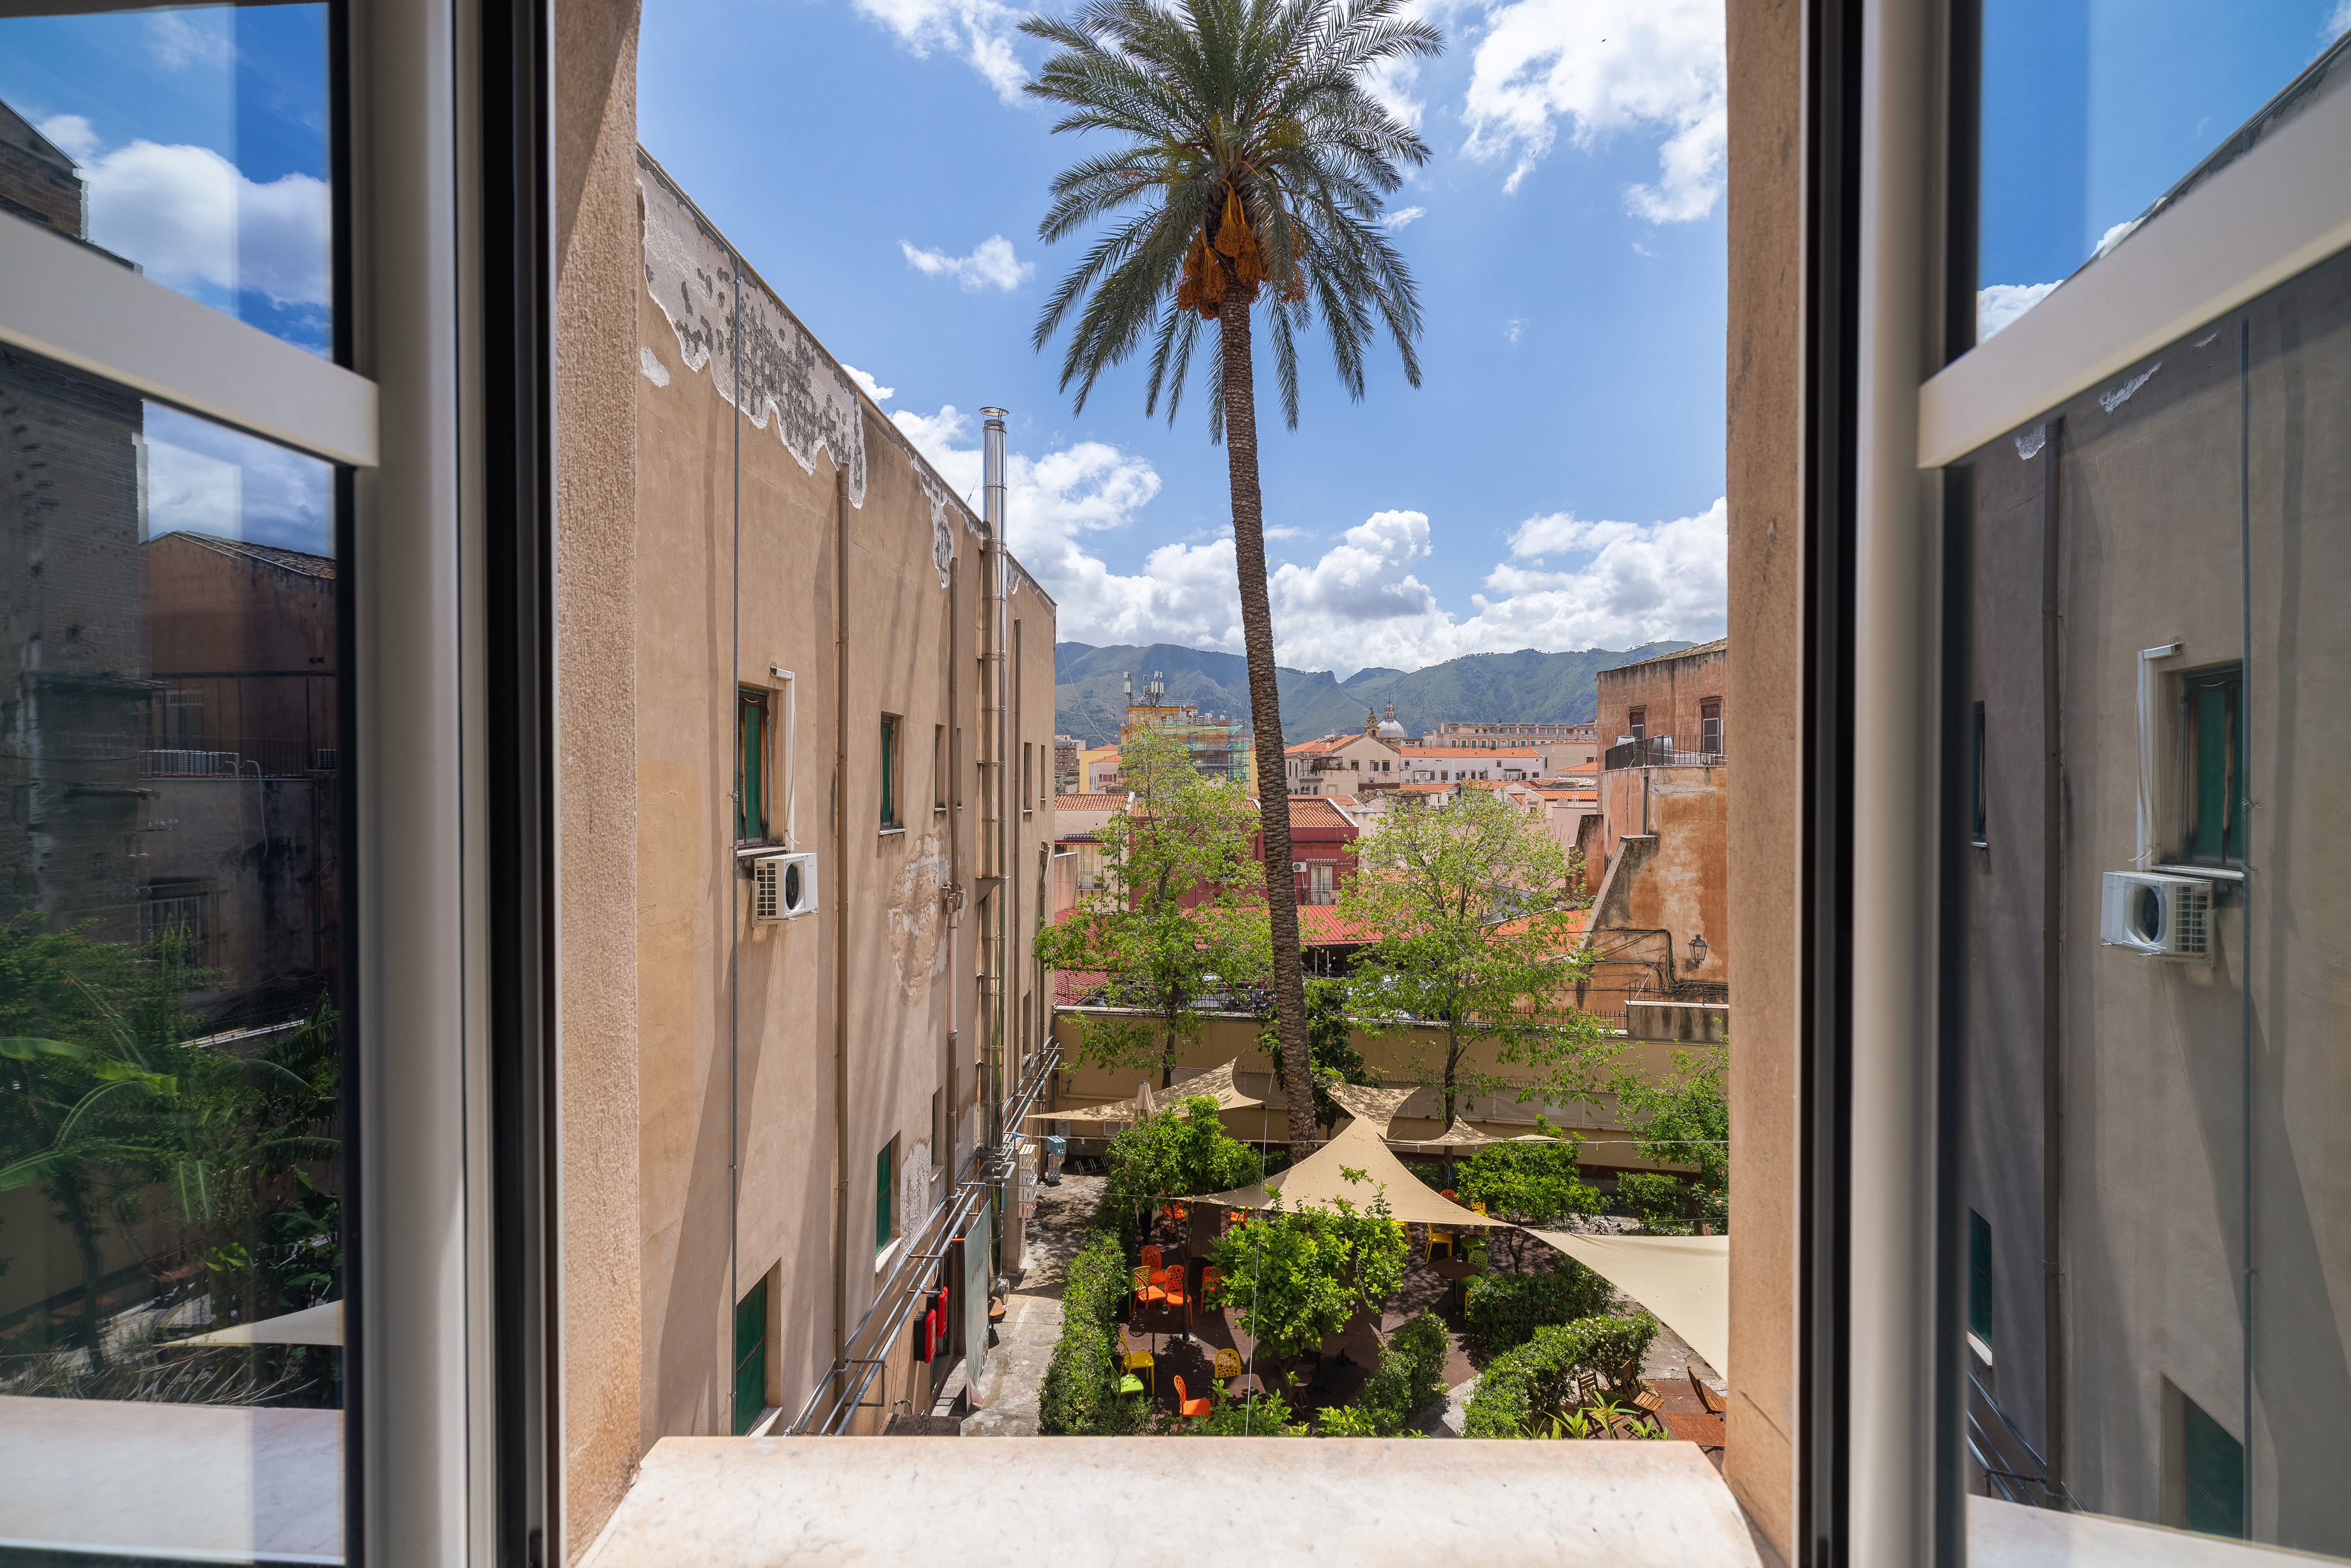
[[716, 990]]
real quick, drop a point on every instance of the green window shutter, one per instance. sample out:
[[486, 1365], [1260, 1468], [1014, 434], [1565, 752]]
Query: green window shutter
[[2216, 1474], [751, 800], [2216, 766], [1979, 1276], [889, 782], [882, 1228], [750, 1357]]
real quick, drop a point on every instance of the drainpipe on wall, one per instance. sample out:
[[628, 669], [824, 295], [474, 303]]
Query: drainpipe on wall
[[952, 1120], [999, 968], [841, 922]]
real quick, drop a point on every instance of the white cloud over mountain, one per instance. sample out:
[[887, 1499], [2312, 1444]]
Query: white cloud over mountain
[[1569, 583], [1605, 67]]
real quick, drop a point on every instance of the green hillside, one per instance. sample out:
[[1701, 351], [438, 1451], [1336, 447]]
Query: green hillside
[[1526, 688]]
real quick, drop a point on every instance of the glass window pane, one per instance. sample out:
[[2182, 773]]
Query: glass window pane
[[171, 1214], [2154, 974], [2092, 109], [191, 143]]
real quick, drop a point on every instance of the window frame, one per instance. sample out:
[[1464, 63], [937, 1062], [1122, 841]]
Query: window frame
[[2230, 679], [892, 778], [753, 767]]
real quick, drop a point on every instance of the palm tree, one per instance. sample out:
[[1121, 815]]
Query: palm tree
[[1259, 163]]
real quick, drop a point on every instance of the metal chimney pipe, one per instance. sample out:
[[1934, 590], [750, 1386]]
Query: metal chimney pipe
[[998, 932]]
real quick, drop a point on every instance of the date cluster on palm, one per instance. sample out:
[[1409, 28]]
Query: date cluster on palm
[[1231, 247]]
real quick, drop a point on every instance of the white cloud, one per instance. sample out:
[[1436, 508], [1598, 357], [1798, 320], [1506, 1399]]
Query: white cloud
[[979, 32], [77, 140], [1571, 583], [215, 480], [1390, 82], [189, 216], [990, 265], [2335, 24], [1513, 329], [1607, 66], [179, 39], [1396, 220], [874, 389], [1998, 304], [1284, 531]]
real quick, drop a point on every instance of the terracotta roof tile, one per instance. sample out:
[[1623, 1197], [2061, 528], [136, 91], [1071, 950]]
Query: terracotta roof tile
[[1089, 802]]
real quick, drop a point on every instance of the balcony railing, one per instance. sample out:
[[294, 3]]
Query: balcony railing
[[1658, 751]]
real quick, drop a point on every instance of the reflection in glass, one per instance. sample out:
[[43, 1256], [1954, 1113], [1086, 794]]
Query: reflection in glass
[[171, 1178], [2156, 904], [2092, 109], [191, 143]]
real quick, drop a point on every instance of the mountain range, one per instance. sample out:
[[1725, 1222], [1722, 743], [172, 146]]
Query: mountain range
[[1524, 687]]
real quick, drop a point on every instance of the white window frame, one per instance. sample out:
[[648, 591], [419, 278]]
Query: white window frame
[[2281, 209], [423, 1432]]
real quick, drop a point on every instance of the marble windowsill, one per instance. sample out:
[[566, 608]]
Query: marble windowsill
[[721, 1502], [730, 1502]]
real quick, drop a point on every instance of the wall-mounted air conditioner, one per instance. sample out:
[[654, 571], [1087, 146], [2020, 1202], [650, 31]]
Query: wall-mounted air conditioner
[[2158, 916], [783, 887]]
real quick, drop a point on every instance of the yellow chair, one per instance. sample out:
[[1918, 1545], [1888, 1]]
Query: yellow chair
[[1441, 1239], [1229, 1364], [1478, 1206], [1142, 1361]]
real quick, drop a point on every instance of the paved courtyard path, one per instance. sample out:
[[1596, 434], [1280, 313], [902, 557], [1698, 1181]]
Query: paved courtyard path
[[1014, 1372]]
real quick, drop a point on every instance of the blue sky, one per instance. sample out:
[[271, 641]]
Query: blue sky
[[1562, 457]]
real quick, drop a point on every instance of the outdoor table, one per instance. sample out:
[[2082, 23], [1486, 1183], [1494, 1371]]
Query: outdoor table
[[1457, 1271]]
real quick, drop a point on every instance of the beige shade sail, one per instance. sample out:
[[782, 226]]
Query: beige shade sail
[[320, 1324], [1319, 1180], [1683, 1280], [1217, 1083], [1367, 1103], [1460, 1132]]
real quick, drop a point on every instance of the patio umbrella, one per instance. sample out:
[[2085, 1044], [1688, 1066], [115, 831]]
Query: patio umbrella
[[1319, 1180]]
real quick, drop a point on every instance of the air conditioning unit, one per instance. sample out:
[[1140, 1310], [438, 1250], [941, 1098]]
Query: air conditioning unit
[[783, 887], [2158, 916], [1298, 868]]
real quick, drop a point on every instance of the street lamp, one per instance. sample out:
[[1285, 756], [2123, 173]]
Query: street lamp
[[1697, 954]]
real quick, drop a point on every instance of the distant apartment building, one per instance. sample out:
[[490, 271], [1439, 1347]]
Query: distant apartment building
[[1066, 772], [1656, 848], [1343, 765], [1562, 746], [1462, 764], [1219, 747]]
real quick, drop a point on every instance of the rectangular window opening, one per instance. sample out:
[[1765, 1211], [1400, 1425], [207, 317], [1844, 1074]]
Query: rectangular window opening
[[1976, 779], [890, 772], [2212, 753], [751, 767], [885, 1216], [750, 1356]]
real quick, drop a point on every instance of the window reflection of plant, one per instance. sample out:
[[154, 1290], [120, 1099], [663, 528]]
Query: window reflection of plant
[[108, 1108]]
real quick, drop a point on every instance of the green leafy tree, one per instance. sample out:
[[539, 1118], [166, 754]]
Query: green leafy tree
[[1476, 909], [1250, 168], [1330, 1037], [1533, 1183], [1686, 1121], [1178, 915], [1300, 1276], [1181, 1153]]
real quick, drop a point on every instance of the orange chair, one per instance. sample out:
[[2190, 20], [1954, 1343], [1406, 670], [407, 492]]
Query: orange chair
[[1175, 1293], [1146, 1285], [1212, 1285], [1186, 1407], [1151, 1259]]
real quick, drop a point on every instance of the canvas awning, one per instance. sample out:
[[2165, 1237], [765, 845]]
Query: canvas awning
[[1683, 1280], [1217, 1083], [322, 1325], [1369, 1102], [1460, 1132], [1319, 1180]]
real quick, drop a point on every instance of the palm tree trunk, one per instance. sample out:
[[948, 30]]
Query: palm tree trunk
[[1265, 719]]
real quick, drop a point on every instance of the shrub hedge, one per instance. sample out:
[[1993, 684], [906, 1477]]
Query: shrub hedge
[[1409, 1376], [1505, 1310], [1658, 1199], [1080, 1397], [1539, 1377]]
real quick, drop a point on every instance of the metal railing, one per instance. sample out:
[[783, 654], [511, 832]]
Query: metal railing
[[1655, 751], [840, 1393]]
